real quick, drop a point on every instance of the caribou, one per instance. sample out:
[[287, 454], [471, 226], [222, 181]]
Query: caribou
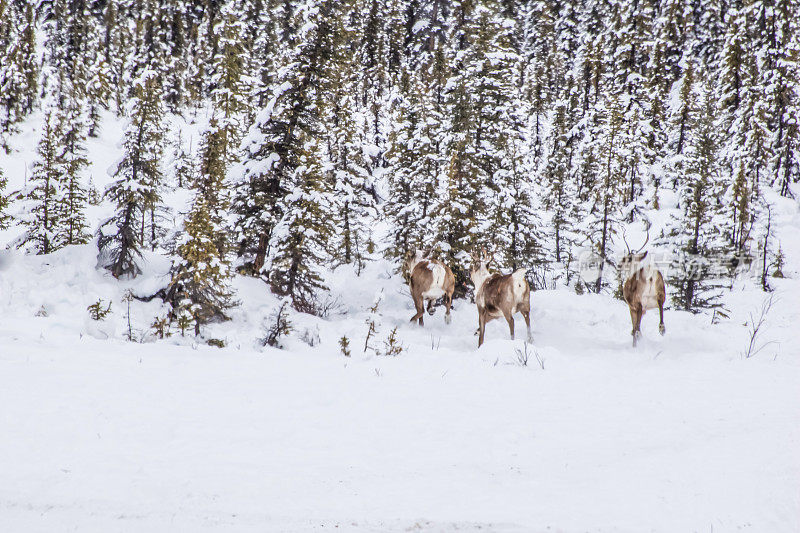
[[430, 279], [499, 295], [643, 289]]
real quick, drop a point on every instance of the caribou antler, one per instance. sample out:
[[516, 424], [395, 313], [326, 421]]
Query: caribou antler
[[625, 240], [647, 239], [487, 256]]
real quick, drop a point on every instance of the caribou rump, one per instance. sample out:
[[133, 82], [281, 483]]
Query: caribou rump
[[430, 279], [499, 295]]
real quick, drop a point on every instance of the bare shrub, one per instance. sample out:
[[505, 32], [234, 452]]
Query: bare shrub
[[277, 325], [756, 328]]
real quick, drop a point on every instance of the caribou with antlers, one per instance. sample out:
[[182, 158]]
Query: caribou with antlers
[[644, 287], [430, 279], [498, 295]]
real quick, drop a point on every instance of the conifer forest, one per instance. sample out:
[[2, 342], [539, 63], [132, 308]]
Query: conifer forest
[[258, 175]]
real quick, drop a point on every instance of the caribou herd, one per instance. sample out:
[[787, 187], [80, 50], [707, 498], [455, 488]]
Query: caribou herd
[[504, 295]]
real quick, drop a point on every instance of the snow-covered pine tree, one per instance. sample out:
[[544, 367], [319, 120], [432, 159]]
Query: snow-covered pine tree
[[479, 93], [697, 230], [502, 116], [538, 62], [708, 30], [399, 209], [262, 20], [45, 188], [786, 145], [559, 191], [745, 149], [73, 196], [136, 190], [353, 139], [671, 29], [354, 188], [519, 227], [97, 89], [201, 278], [19, 69], [229, 94], [627, 45], [299, 244], [176, 26], [201, 52], [733, 64], [413, 161], [372, 57], [682, 114], [115, 47], [742, 216], [200, 285], [608, 190], [183, 168], [273, 146], [210, 182]]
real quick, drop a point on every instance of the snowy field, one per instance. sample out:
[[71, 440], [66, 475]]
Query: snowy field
[[101, 434], [679, 434]]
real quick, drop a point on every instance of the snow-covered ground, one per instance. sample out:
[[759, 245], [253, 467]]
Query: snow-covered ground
[[101, 434]]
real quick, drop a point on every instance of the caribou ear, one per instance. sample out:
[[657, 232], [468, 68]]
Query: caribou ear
[[643, 256]]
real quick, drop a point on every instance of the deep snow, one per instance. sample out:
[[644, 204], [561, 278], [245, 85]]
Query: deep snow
[[101, 434]]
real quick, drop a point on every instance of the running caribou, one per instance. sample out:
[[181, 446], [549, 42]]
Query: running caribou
[[430, 279], [499, 295], [643, 289]]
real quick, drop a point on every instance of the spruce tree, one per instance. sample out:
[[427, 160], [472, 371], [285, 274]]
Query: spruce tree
[[474, 101], [350, 123], [183, 168], [117, 42], [275, 142], [682, 115], [697, 230], [18, 66], [201, 278], [299, 242], [519, 234], [98, 89], [625, 84], [608, 190], [136, 191], [414, 162], [228, 82], [200, 285], [559, 191], [263, 37], [45, 189], [210, 182], [786, 145], [73, 159]]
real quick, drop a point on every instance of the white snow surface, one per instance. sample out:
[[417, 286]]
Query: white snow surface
[[100, 434]]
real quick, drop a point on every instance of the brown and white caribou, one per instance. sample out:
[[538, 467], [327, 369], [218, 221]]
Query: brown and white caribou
[[499, 295], [430, 279], [643, 289]]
